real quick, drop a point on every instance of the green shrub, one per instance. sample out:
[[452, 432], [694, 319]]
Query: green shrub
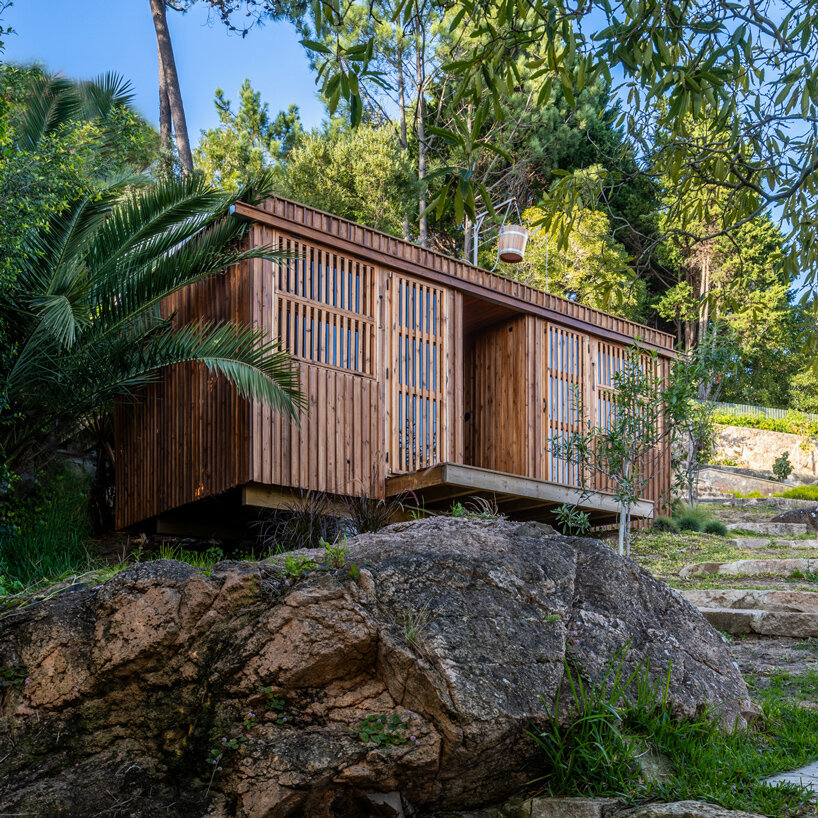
[[53, 526], [782, 468], [800, 493], [793, 423], [692, 518], [750, 495], [716, 527], [665, 524], [689, 522]]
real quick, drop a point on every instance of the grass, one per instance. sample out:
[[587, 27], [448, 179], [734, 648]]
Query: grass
[[781, 684], [664, 553], [801, 493], [620, 719], [50, 542]]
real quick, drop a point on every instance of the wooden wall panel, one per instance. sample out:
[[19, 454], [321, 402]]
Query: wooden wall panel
[[505, 399], [424, 379], [325, 307], [186, 436]]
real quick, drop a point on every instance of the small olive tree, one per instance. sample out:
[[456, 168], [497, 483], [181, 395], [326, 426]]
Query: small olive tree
[[628, 449], [690, 404]]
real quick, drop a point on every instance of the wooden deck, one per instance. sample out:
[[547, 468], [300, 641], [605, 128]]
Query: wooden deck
[[436, 487]]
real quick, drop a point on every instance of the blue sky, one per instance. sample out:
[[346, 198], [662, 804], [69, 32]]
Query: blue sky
[[83, 38]]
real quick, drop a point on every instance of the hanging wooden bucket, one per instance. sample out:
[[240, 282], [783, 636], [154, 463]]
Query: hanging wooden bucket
[[512, 242]]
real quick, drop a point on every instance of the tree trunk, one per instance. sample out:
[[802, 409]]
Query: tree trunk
[[423, 227], [404, 141], [623, 524], [468, 235], [165, 124], [171, 83]]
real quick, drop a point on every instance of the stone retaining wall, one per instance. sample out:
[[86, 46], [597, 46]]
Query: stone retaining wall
[[758, 448]]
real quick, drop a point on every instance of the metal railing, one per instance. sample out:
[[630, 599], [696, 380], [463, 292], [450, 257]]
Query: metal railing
[[762, 411]]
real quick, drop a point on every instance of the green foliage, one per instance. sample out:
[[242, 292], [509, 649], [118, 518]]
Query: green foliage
[[716, 527], [275, 704], [689, 522], [590, 266], [14, 676], [625, 450], [572, 521], [617, 719], [803, 395], [52, 528], [85, 332], [782, 468], [384, 730], [247, 141], [794, 423], [665, 524], [203, 560], [359, 175], [298, 566], [809, 492], [336, 554]]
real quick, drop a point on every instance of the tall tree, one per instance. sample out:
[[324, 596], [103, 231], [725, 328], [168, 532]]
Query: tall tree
[[170, 92]]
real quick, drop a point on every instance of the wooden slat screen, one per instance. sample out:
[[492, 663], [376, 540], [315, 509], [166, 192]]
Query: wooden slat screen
[[325, 307], [565, 368], [418, 381]]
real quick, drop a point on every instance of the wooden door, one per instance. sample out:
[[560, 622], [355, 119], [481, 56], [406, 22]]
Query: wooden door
[[421, 382]]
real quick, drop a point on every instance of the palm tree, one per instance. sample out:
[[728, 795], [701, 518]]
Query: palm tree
[[84, 313]]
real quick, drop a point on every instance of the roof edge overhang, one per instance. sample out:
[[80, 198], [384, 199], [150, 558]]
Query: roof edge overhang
[[360, 241]]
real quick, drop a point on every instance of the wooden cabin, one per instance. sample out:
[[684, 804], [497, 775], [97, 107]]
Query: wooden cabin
[[423, 373]]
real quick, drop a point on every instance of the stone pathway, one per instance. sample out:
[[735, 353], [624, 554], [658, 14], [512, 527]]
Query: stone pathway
[[751, 568], [771, 542], [773, 529], [808, 776]]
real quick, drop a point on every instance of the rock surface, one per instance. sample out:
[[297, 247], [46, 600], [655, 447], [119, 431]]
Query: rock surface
[[806, 516], [456, 627]]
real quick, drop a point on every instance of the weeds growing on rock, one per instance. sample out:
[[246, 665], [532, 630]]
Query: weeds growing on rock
[[385, 730], [275, 705], [571, 521], [14, 676], [414, 622], [478, 508]]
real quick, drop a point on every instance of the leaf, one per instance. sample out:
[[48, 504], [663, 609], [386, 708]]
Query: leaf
[[314, 45]]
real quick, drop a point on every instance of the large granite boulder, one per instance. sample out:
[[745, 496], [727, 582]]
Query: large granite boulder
[[454, 632]]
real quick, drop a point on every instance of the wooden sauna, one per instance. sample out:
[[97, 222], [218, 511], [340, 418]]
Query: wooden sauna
[[422, 373]]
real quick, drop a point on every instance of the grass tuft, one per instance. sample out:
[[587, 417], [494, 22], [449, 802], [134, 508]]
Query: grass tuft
[[622, 718]]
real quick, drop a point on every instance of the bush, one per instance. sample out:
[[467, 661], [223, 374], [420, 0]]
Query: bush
[[793, 423], [49, 541], [665, 524], [689, 522], [801, 493], [716, 527], [782, 468]]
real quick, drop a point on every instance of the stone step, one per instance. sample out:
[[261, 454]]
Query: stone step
[[766, 623], [750, 568], [751, 599], [772, 542], [773, 529]]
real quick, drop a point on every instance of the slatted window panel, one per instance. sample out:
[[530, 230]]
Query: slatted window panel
[[325, 307], [565, 364], [417, 380], [610, 359]]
